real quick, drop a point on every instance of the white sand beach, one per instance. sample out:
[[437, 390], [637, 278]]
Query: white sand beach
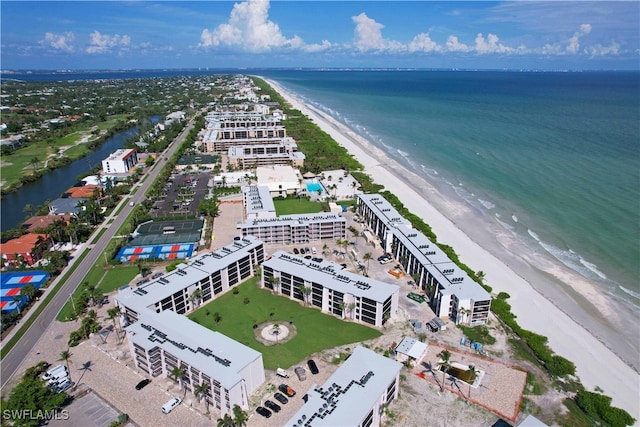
[[597, 365]]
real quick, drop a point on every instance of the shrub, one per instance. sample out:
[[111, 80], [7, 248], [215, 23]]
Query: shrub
[[598, 407]]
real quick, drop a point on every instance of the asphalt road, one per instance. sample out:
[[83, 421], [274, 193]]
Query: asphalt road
[[14, 358]]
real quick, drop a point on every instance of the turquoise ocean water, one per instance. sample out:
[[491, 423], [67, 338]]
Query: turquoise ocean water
[[554, 158]]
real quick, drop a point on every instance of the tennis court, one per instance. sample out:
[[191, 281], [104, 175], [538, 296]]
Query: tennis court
[[133, 253], [12, 283]]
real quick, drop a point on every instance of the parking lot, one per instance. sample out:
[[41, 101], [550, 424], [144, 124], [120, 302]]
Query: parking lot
[[182, 194]]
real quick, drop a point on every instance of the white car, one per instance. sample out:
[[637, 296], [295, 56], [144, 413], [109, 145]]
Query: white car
[[171, 404]]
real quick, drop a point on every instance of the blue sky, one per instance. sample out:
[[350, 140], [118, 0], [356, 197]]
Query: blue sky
[[258, 33]]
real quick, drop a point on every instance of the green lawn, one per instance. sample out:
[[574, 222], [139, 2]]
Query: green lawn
[[112, 280], [316, 331], [297, 206]]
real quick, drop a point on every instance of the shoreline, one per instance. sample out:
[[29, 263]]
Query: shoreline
[[574, 341]]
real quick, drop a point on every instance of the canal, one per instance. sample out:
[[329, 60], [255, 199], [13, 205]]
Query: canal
[[53, 184]]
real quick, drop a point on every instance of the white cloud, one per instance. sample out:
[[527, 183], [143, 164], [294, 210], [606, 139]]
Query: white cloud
[[423, 43], [368, 36], [454, 45], [250, 29], [599, 50], [569, 47], [63, 42], [100, 43], [490, 45]]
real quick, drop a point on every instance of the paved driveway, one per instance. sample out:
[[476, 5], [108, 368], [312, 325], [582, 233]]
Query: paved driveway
[[88, 411]]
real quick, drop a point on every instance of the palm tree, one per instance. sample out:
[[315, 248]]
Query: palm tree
[[367, 257], [178, 374], [217, 317], [351, 307], [343, 306], [66, 356], [240, 417], [196, 295], [473, 372], [200, 390], [114, 313], [226, 421], [17, 299], [275, 281], [306, 291], [480, 275], [325, 249], [445, 358]]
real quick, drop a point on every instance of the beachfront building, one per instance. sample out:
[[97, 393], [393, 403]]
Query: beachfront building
[[211, 273], [251, 156], [224, 129], [355, 395], [282, 180], [161, 342], [296, 228], [161, 339], [257, 202], [120, 161], [327, 286], [452, 293]]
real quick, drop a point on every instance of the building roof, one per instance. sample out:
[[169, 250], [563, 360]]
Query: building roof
[[294, 220], [185, 275], [384, 210], [85, 191], [332, 276], [411, 347], [66, 205], [350, 393], [121, 154], [213, 353], [277, 174], [21, 245], [43, 221], [258, 199]]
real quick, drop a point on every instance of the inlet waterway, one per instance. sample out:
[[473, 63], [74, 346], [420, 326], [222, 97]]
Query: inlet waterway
[[53, 184]]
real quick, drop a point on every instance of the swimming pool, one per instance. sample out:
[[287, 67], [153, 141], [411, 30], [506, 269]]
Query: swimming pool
[[313, 187]]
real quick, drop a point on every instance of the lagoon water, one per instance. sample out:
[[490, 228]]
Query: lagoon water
[[553, 158]]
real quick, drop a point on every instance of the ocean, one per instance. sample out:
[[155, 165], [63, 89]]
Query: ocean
[[549, 160], [552, 158]]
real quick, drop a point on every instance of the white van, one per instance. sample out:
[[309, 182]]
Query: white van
[[168, 407], [59, 378], [53, 372]]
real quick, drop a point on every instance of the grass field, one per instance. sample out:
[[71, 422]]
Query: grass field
[[316, 331], [297, 206], [114, 278]]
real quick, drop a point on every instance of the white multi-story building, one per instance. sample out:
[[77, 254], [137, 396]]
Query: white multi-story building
[[330, 288], [253, 155], [355, 395], [120, 161], [452, 293], [257, 202], [282, 180], [230, 128], [161, 339], [162, 342], [296, 228]]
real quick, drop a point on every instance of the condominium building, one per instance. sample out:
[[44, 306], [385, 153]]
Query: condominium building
[[297, 228], [452, 293], [120, 161], [257, 202], [162, 339], [355, 395], [230, 128], [251, 156], [327, 286], [162, 342], [211, 273]]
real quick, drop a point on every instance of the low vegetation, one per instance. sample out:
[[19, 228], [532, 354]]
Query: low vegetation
[[230, 316]]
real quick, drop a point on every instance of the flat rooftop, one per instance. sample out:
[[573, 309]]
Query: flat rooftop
[[332, 276], [215, 354], [350, 393], [384, 210]]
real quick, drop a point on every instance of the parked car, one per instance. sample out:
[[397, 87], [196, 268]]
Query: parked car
[[280, 398], [64, 386], [296, 251], [301, 373], [287, 390], [263, 411], [282, 373], [272, 405], [312, 366], [171, 404], [142, 384]]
